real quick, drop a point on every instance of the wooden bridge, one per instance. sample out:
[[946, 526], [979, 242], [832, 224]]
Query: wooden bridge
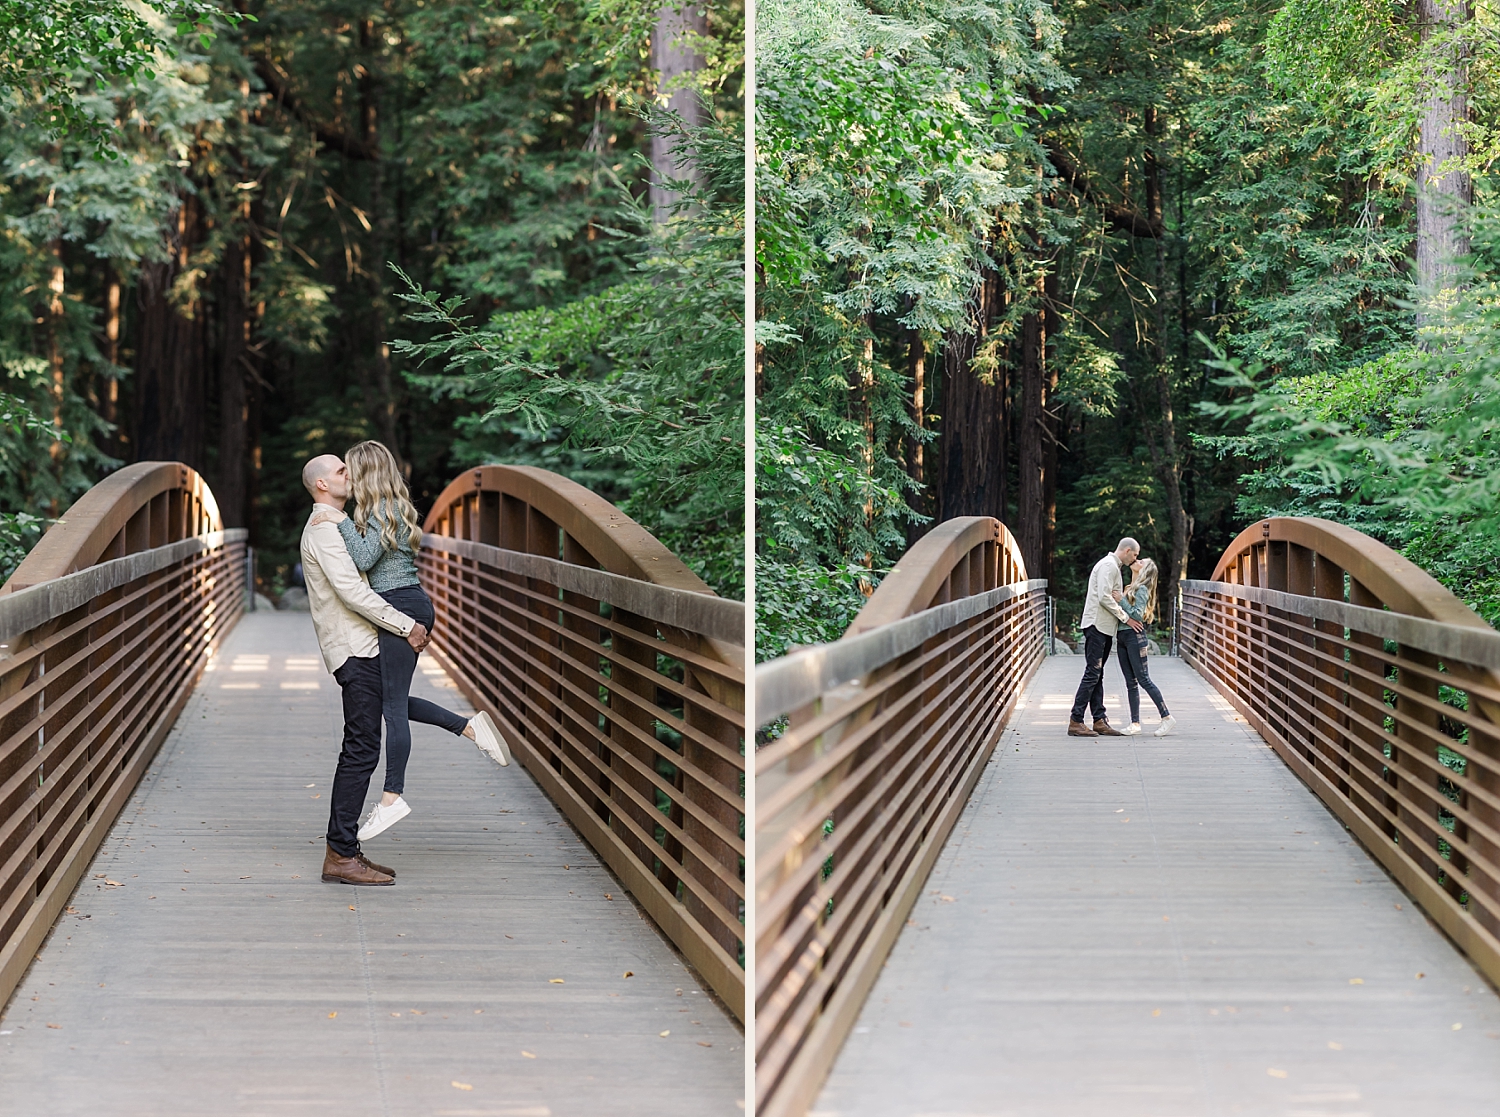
[[1291, 905], [565, 935]]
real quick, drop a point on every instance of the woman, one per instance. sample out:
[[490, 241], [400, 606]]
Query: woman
[[1139, 603], [382, 538]]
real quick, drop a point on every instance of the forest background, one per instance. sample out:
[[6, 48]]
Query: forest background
[[1120, 267], [239, 236]]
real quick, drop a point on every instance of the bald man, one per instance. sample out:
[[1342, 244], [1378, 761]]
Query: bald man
[[345, 611]]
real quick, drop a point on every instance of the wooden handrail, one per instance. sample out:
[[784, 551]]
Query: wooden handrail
[[886, 732]]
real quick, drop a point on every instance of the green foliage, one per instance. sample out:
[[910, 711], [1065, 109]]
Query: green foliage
[[1404, 448], [648, 372], [52, 53], [889, 144]]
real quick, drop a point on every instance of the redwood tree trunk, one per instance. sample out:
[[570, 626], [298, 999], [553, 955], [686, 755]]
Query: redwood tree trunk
[[233, 485], [1444, 191], [172, 358], [1031, 445], [672, 58], [973, 449]]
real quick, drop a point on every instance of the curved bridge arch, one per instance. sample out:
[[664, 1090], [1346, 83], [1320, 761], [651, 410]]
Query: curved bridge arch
[[958, 558], [136, 508]]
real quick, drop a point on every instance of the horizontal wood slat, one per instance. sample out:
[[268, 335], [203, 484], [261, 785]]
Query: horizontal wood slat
[[632, 723]]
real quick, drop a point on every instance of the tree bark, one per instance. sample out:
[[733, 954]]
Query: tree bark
[[672, 59], [113, 441], [973, 443], [1444, 190], [233, 486], [172, 355], [916, 365], [1031, 443], [1165, 454]]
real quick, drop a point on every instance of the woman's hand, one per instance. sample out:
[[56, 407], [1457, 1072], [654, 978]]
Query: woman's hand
[[327, 515], [1116, 594]]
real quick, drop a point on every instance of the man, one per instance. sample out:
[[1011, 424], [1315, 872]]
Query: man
[[345, 611], [1102, 615]]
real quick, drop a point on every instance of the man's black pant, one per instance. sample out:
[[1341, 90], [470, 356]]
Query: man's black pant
[[360, 682], [1091, 689]]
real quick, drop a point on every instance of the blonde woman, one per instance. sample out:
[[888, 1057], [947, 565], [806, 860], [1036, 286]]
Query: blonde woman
[[1139, 602], [382, 538]]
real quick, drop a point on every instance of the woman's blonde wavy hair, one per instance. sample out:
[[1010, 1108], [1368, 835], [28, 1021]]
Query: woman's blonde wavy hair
[[1146, 576], [378, 485]]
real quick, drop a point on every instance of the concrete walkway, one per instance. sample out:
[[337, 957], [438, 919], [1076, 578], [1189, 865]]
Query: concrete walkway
[[204, 968], [1169, 927]]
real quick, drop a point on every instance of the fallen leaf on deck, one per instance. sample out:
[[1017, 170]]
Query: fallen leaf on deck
[[1156, 1012], [1457, 1027], [1274, 1073], [527, 1055], [1335, 1046], [556, 981], [662, 1034], [461, 1085], [1420, 976], [114, 884], [607, 896], [629, 973], [1356, 981], [947, 899], [418, 1012], [351, 907], [71, 910]]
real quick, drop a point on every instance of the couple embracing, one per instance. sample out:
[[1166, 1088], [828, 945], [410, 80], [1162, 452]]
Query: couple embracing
[[1109, 604], [373, 619]]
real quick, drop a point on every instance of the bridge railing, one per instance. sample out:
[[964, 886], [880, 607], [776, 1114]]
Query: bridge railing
[[1381, 690], [618, 679], [885, 733], [104, 630]]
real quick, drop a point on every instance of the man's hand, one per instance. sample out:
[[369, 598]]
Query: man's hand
[[326, 515], [1133, 623], [418, 637]]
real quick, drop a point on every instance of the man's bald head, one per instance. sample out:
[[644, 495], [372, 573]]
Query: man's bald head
[[320, 468]]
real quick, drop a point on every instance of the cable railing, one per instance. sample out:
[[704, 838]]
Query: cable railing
[[1381, 691], [883, 735], [104, 630], [618, 679]]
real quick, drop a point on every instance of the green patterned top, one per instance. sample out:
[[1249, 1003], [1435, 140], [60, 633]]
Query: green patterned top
[[388, 570]]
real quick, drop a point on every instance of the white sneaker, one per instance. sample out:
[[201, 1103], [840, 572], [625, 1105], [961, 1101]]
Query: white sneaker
[[1131, 730], [488, 738], [1165, 727], [383, 818]]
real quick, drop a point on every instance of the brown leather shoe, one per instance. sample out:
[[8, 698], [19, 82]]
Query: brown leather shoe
[[352, 870], [386, 869], [1078, 729], [1102, 728]]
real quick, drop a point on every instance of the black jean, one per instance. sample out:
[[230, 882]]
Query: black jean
[[1091, 687], [1132, 655], [397, 662], [359, 679]]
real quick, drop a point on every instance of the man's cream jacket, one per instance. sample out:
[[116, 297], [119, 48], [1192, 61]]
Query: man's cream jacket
[[345, 610], [1100, 608]]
